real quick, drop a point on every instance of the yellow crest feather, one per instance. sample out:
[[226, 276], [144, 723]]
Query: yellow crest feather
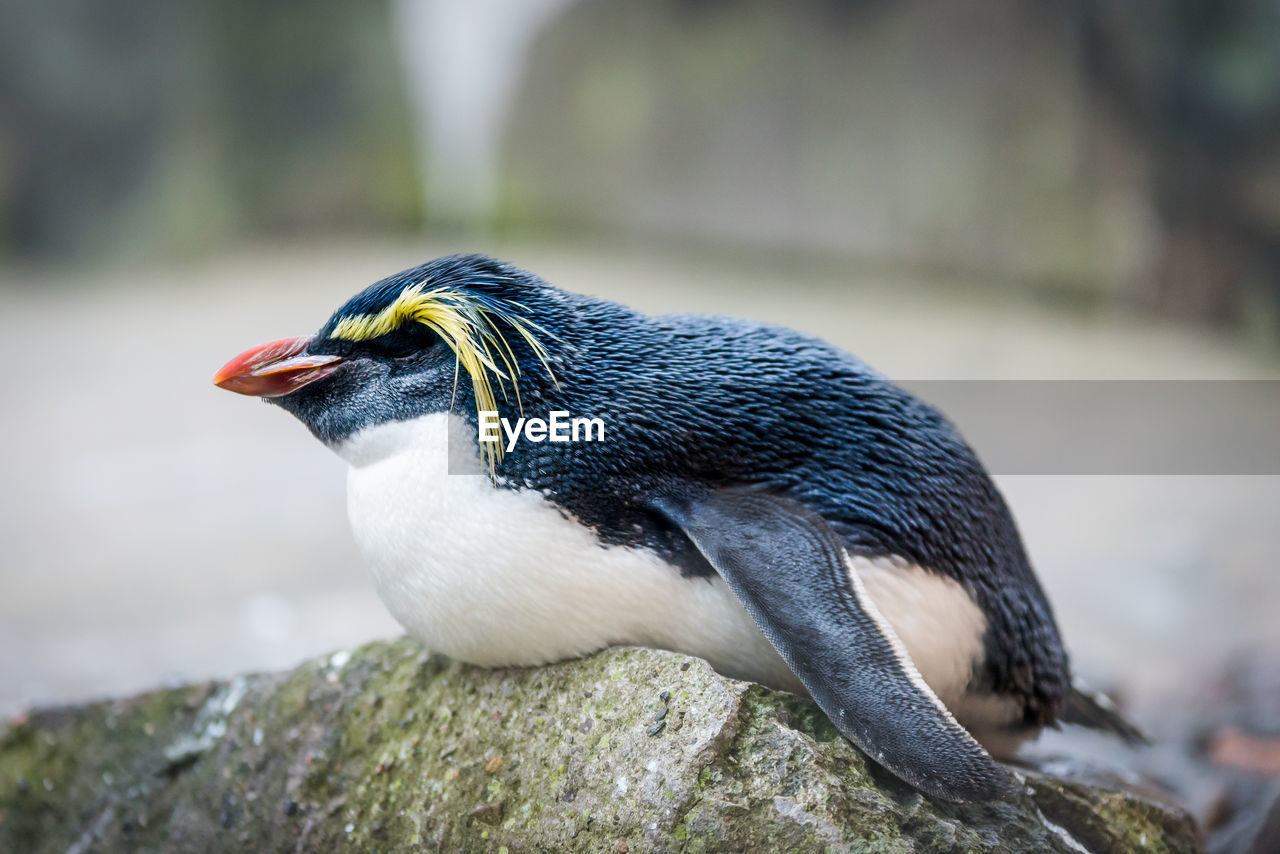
[[466, 323]]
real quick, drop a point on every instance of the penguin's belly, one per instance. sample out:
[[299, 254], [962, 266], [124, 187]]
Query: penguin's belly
[[497, 576]]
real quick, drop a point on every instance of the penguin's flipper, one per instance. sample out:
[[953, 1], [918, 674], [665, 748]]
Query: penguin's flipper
[[788, 568]]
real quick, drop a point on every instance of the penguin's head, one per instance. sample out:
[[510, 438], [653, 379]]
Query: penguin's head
[[459, 327]]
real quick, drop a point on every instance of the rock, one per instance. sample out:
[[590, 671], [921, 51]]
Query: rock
[[390, 748]]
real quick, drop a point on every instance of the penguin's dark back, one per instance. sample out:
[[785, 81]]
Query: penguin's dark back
[[699, 402]]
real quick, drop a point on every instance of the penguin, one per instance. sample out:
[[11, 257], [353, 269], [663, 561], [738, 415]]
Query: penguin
[[757, 497]]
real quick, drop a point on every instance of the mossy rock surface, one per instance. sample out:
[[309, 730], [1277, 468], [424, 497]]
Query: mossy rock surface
[[389, 748]]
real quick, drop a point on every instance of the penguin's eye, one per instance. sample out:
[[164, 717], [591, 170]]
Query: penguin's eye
[[402, 344]]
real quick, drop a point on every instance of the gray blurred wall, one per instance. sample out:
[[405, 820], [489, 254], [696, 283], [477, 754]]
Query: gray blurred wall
[[945, 136], [1062, 147]]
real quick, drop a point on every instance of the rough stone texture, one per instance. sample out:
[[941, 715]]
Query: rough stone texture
[[389, 748]]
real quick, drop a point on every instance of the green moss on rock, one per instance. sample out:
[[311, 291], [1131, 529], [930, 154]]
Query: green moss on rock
[[388, 747]]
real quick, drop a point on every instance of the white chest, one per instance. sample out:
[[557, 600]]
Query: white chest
[[497, 576]]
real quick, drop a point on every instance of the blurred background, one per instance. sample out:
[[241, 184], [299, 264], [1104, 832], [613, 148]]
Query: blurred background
[[1001, 189]]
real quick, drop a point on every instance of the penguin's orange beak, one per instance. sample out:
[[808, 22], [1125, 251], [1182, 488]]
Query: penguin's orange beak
[[275, 369]]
